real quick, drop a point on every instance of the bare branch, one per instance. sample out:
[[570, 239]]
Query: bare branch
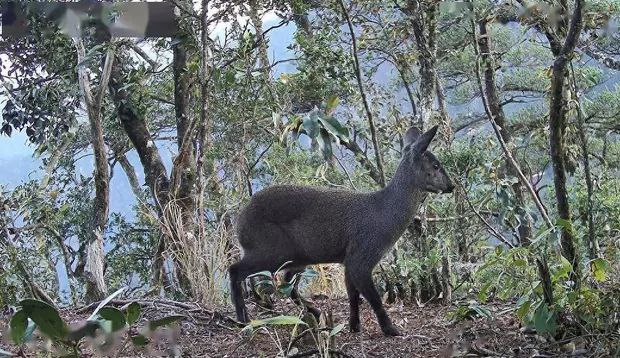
[[358, 76]]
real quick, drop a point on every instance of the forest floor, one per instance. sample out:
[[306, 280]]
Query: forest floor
[[427, 332]]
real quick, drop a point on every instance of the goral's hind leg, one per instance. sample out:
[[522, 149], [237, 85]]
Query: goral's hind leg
[[238, 272], [354, 304]]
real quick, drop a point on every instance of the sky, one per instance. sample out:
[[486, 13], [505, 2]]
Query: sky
[[18, 163]]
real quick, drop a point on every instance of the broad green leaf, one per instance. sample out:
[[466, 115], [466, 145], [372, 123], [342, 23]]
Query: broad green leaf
[[483, 294], [153, 325], [336, 330], [113, 315], [523, 309], [564, 269], [133, 313], [19, 323], [105, 302], [45, 317], [599, 269], [139, 340], [334, 127], [544, 320], [311, 124]]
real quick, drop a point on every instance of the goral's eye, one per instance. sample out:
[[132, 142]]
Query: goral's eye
[[436, 166]]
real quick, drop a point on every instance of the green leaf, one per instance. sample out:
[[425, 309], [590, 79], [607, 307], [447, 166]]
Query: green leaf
[[332, 103], [544, 320], [565, 224], [564, 269], [286, 289], [311, 124], [139, 340], [524, 309], [334, 127], [481, 311], [483, 295], [274, 321], [105, 302], [599, 268], [336, 330], [45, 317], [19, 323], [115, 316], [542, 234], [520, 262], [133, 313], [162, 322]]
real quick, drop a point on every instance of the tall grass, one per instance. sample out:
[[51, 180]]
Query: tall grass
[[202, 255]]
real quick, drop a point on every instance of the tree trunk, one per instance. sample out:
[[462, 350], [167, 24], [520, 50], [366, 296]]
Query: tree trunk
[[183, 175], [424, 24], [155, 174], [94, 263], [557, 127]]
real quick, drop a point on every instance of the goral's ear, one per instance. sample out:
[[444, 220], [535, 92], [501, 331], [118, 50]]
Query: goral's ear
[[411, 136], [422, 143]]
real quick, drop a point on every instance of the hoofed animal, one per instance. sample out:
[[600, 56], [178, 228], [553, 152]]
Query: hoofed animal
[[307, 225]]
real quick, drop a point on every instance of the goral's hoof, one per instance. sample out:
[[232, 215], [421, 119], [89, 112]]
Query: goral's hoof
[[391, 331], [243, 318], [354, 327]]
